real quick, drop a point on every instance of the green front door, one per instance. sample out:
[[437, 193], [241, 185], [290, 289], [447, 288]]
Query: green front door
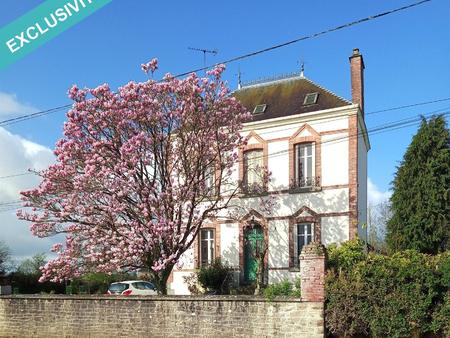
[[254, 238]]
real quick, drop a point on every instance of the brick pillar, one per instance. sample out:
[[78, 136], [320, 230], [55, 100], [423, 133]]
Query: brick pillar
[[312, 273]]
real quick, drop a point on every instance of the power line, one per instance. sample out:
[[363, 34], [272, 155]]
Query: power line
[[29, 172], [16, 175], [240, 57], [306, 37], [54, 110], [409, 106], [406, 122], [33, 115], [402, 123], [14, 205], [326, 119], [10, 202], [377, 130]]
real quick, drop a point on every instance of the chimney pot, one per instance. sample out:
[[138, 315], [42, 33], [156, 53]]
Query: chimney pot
[[357, 78]]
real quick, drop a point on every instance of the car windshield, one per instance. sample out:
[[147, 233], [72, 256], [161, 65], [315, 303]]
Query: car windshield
[[143, 286], [118, 287]]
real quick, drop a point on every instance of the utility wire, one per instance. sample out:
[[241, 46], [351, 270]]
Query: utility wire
[[29, 172], [33, 115], [306, 37], [16, 175], [378, 129], [10, 202], [406, 122], [53, 110], [241, 57], [409, 106], [320, 120], [15, 205]]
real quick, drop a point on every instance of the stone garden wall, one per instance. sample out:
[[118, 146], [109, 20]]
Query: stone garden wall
[[110, 316], [173, 316]]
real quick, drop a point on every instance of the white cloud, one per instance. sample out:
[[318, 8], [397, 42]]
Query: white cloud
[[10, 106], [374, 195], [16, 156]]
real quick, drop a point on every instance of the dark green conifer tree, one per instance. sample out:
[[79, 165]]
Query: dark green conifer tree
[[421, 189]]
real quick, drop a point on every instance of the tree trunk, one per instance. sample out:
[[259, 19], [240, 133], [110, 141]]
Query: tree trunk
[[160, 279], [259, 276]]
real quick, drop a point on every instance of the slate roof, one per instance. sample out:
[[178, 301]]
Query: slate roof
[[285, 97]]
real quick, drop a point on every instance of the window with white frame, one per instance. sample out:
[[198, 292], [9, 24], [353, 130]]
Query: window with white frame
[[304, 165], [253, 165], [209, 180], [206, 247], [303, 235]]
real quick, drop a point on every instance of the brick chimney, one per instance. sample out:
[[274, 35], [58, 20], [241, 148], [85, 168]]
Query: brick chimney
[[357, 78]]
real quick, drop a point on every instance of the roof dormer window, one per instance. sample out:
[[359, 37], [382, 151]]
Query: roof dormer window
[[310, 98], [259, 109]]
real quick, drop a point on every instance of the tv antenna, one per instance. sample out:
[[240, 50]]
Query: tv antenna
[[204, 51], [239, 75], [302, 67]]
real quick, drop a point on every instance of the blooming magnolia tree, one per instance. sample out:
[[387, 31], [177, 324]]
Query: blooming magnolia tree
[[137, 173]]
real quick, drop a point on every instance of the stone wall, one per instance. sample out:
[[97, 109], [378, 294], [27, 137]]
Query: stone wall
[[108, 316]]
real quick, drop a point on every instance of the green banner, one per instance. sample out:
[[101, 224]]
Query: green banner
[[41, 24]]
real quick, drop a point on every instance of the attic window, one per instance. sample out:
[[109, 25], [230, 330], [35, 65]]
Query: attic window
[[259, 109], [310, 98]]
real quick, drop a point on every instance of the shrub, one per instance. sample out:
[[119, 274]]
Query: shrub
[[243, 290], [401, 290], [441, 317], [402, 295], [215, 277], [345, 256], [284, 288], [192, 284], [345, 307], [29, 284]]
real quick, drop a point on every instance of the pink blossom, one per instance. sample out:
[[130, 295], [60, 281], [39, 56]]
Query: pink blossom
[[128, 188], [150, 66]]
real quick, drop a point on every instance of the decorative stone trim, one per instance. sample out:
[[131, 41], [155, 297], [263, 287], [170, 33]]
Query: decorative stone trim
[[243, 224], [296, 218], [262, 145], [318, 215], [336, 186], [212, 224], [335, 131], [296, 139], [327, 132]]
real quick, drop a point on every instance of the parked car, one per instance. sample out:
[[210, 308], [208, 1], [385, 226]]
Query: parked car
[[132, 288]]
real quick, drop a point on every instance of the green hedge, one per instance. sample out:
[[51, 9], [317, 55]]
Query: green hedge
[[284, 288], [29, 284], [403, 295]]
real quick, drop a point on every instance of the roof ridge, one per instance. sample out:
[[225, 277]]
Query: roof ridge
[[283, 78], [327, 90], [271, 79]]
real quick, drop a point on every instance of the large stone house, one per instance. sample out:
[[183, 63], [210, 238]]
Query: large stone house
[[315, 144]]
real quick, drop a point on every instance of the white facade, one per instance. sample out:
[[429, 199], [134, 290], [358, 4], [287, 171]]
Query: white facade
[[326, 206]]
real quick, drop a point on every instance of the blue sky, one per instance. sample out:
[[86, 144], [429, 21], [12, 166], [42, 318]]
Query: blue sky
[[406, 56]]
